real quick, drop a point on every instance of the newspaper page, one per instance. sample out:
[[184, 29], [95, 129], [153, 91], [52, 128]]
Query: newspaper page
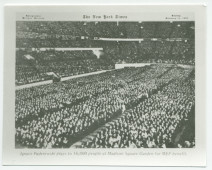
[[104, 85]]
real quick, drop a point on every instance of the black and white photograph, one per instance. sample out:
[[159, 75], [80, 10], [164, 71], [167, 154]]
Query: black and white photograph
[[109, 84], [104, 86]]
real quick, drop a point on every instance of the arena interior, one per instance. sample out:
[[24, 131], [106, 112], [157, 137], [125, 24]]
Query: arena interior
[[105, 84]]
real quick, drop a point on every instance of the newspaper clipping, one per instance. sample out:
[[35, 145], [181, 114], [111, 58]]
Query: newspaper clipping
[[104, 85]]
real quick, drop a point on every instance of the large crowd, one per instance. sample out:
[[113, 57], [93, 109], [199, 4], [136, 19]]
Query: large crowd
[[156, 47], [153, 122], [146, 107], [68, 63], [61, 63], [72, 30], [57, 115]]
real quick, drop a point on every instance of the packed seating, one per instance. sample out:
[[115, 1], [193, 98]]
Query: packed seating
[[152, 106], [57, 115], [62, 63], [71, 30], [43, 34], [153, 123]]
